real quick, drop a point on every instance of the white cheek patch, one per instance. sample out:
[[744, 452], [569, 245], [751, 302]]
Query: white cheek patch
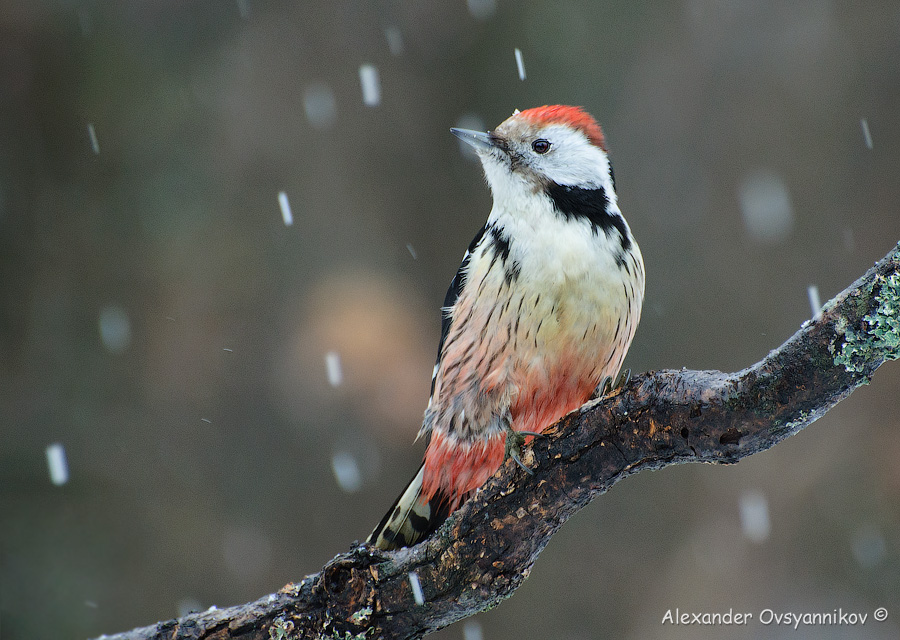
[[573, 160]]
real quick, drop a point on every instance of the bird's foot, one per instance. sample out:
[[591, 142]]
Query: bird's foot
[[513, 449], [607, 386]]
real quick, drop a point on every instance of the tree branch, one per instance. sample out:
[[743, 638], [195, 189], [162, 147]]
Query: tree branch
[[487, 548]]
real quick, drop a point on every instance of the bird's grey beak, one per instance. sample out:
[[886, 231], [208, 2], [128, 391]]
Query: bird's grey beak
[[478, 139]]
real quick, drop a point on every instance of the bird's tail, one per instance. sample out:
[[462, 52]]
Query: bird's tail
[[411, 518]]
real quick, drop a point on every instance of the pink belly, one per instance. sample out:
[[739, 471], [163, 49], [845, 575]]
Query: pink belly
[[457, 467]]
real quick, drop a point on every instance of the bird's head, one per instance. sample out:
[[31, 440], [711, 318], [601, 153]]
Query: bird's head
[[543, 147]]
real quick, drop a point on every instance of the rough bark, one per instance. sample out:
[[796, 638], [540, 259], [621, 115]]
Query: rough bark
[[487, 548]]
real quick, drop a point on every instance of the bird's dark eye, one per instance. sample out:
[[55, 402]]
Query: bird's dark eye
[[541, 146]]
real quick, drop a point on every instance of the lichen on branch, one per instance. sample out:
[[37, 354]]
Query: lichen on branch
[[880, 337]]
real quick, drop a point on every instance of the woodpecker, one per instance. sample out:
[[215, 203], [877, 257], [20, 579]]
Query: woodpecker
[[541, 311]]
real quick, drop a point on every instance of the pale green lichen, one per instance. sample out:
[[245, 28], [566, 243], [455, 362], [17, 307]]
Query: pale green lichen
[[361, 617], [881, 340], [281, 629], [349, 636]]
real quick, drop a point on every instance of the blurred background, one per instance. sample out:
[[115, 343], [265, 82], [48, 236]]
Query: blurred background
[[200, 402]]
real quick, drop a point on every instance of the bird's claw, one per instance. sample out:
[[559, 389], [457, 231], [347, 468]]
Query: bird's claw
[[608, 385], [513, 449]]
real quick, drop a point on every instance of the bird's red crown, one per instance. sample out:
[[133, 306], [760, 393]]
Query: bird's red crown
[[575, 117]]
